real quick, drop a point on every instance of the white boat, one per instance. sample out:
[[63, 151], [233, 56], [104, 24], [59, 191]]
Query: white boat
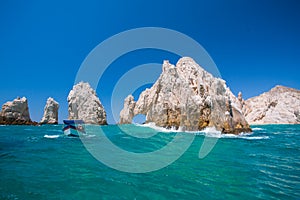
[[73, 127]]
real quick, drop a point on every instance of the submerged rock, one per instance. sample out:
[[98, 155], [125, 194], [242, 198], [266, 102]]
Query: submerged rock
[[280, 105], [187, 96], [84, 104], [50, 112], [16, 112]]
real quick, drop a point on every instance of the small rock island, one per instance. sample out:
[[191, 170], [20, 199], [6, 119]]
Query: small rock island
[[84, 104], [16, 112], [50, 112]]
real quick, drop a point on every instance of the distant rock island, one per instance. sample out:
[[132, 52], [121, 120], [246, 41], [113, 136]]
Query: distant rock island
[[50, 112], [16, 112], [187, 96], [84, 104], [280, 105]]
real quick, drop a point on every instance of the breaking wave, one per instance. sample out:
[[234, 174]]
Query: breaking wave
[[208, 132], [165, 130]]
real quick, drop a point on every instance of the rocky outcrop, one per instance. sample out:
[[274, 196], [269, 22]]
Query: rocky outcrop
[[16, 112], [127, 112], [85, 105], [280, 105], [50, 112], [188, 97]]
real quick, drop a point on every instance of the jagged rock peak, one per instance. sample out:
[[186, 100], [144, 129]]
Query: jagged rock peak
[[190, 97], [84, 104], [16, 112], [50, 112], [282, 89], [280, 105]]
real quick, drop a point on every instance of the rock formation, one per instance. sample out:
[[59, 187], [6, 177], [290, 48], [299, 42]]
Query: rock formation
[[16, 112], [280, 105], [84, 104], [241, 101], [50, 112], [127, 112], [187, 96]]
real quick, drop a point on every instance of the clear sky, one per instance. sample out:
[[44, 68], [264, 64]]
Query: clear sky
[[255, 44]]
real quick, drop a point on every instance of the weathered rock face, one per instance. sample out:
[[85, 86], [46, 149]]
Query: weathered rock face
[[16, 112], [127, 111], [50, 112], [187, 96], [84, 104], [280, 105]]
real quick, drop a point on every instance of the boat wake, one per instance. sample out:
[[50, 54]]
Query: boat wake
[[65, 136], [51, 136]]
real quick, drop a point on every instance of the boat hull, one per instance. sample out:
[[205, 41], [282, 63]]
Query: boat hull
[[73, 128], [71, 132]]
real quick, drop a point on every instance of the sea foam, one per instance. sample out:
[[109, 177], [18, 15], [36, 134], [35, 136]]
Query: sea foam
[[51, 136], [257, 129], [157, 128], [165, 130], [207, 132]]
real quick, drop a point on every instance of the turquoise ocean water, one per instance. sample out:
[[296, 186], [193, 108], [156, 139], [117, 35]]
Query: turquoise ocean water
[[41, 163]]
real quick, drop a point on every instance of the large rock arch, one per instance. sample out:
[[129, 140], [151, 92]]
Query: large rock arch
[[189, 96]]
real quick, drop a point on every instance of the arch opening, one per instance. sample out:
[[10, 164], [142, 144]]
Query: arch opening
[[139, 119]]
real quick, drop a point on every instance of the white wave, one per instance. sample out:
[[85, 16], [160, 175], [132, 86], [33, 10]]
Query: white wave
[[157, 128], [208, 132], [244, 136], [258, 129], [51, 136], [212, 132], [256, 138]]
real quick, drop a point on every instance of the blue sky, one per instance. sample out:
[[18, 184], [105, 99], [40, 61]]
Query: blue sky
[[255, 44]]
